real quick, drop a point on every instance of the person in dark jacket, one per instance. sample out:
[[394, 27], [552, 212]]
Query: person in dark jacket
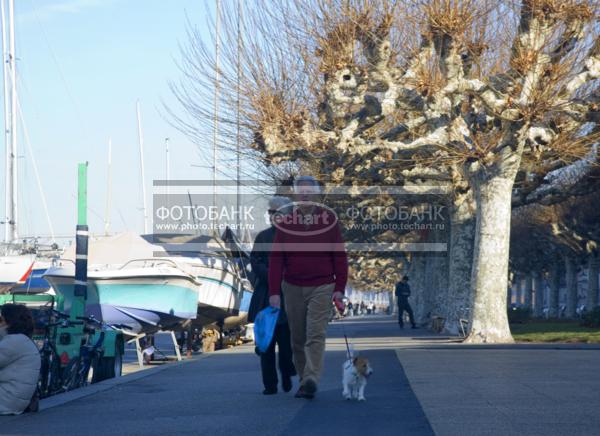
[[260, 299], [402, 294]]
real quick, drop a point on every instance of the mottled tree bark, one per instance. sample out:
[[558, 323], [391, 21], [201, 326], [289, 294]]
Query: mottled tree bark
[[571, 276], [554, 290], [518, 289], [528, 290], [417, 276], [460, 262], [592, 296], [538, 286], [427, 304], [440, 303], [489, 277]]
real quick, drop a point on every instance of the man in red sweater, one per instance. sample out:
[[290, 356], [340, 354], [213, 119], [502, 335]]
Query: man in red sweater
[[308, 264]]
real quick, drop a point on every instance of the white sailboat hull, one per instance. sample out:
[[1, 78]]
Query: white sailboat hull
[[14, 270], [222, 296]]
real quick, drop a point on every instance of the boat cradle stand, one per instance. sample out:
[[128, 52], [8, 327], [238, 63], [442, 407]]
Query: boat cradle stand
[[140, 353]]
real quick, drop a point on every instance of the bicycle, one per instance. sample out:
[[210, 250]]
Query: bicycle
[[76, 374], [50, 381]]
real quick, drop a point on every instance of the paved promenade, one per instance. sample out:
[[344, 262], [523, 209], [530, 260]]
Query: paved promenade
[[423, 384]]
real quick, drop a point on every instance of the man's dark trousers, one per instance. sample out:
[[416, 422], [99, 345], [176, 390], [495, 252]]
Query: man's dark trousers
[[281, 337], [404, 305]]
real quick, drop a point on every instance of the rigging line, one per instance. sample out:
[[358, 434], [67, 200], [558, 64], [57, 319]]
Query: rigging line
[[93, 211], [83, 125], [35, 167]]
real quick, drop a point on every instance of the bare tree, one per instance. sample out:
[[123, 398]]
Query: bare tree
[[489, 93]]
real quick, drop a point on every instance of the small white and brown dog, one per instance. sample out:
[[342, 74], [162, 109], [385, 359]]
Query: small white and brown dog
[[356, 371]]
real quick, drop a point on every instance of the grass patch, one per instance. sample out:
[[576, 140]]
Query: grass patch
[[555, 331]]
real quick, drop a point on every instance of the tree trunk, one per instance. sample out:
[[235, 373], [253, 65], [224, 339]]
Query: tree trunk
[[437, 283], [417, 273], [460, 262], [528, 290], [518, 289], [571, 276], [554, 290], [592, 296], [440, 306], [426, 305], [538, 286], [489, 277]]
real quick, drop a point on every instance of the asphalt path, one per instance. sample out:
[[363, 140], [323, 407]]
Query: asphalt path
[[423, 384], [220, 394]]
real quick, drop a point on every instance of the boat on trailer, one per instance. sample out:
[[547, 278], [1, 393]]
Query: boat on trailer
[[221, 266], [145, 294], [128, 285]]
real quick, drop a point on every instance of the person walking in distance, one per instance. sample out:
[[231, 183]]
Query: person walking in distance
[[402, 294], [308, 265], [260, 299]]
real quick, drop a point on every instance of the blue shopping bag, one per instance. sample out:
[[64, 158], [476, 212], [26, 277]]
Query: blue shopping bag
[[264, 327]]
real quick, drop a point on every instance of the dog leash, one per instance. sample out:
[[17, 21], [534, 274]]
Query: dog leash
[[346, 339], [347, 346]]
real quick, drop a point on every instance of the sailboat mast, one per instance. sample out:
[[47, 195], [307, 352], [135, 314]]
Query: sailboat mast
[[167, 162], [10, 121], [216, 108], [108, 189], [7, 144], [13, 121], [141, 141], [237, 145]]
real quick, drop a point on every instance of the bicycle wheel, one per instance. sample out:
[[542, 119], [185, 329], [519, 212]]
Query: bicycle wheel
[[44, 376], [54, 376], [72, 375]]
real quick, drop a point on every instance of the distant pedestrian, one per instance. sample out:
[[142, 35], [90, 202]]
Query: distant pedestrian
[[260, 299], [19, 360], [308, 265], [402, 293]]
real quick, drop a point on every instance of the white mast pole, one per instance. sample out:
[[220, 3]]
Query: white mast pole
[[7, 136], [238, 161], [10, 121], [216, 107], [108, 189], [141, 141], [13, 121], [167, 163], [168, 167]]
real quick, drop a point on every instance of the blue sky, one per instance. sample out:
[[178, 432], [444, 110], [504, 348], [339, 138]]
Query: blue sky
[[82, 66]]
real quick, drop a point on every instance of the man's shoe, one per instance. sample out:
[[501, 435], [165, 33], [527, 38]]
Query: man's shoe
[[307, 390], [286, 383], [414, 326], [270, 391], [310, 387], [401, 326], [301, 393]]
